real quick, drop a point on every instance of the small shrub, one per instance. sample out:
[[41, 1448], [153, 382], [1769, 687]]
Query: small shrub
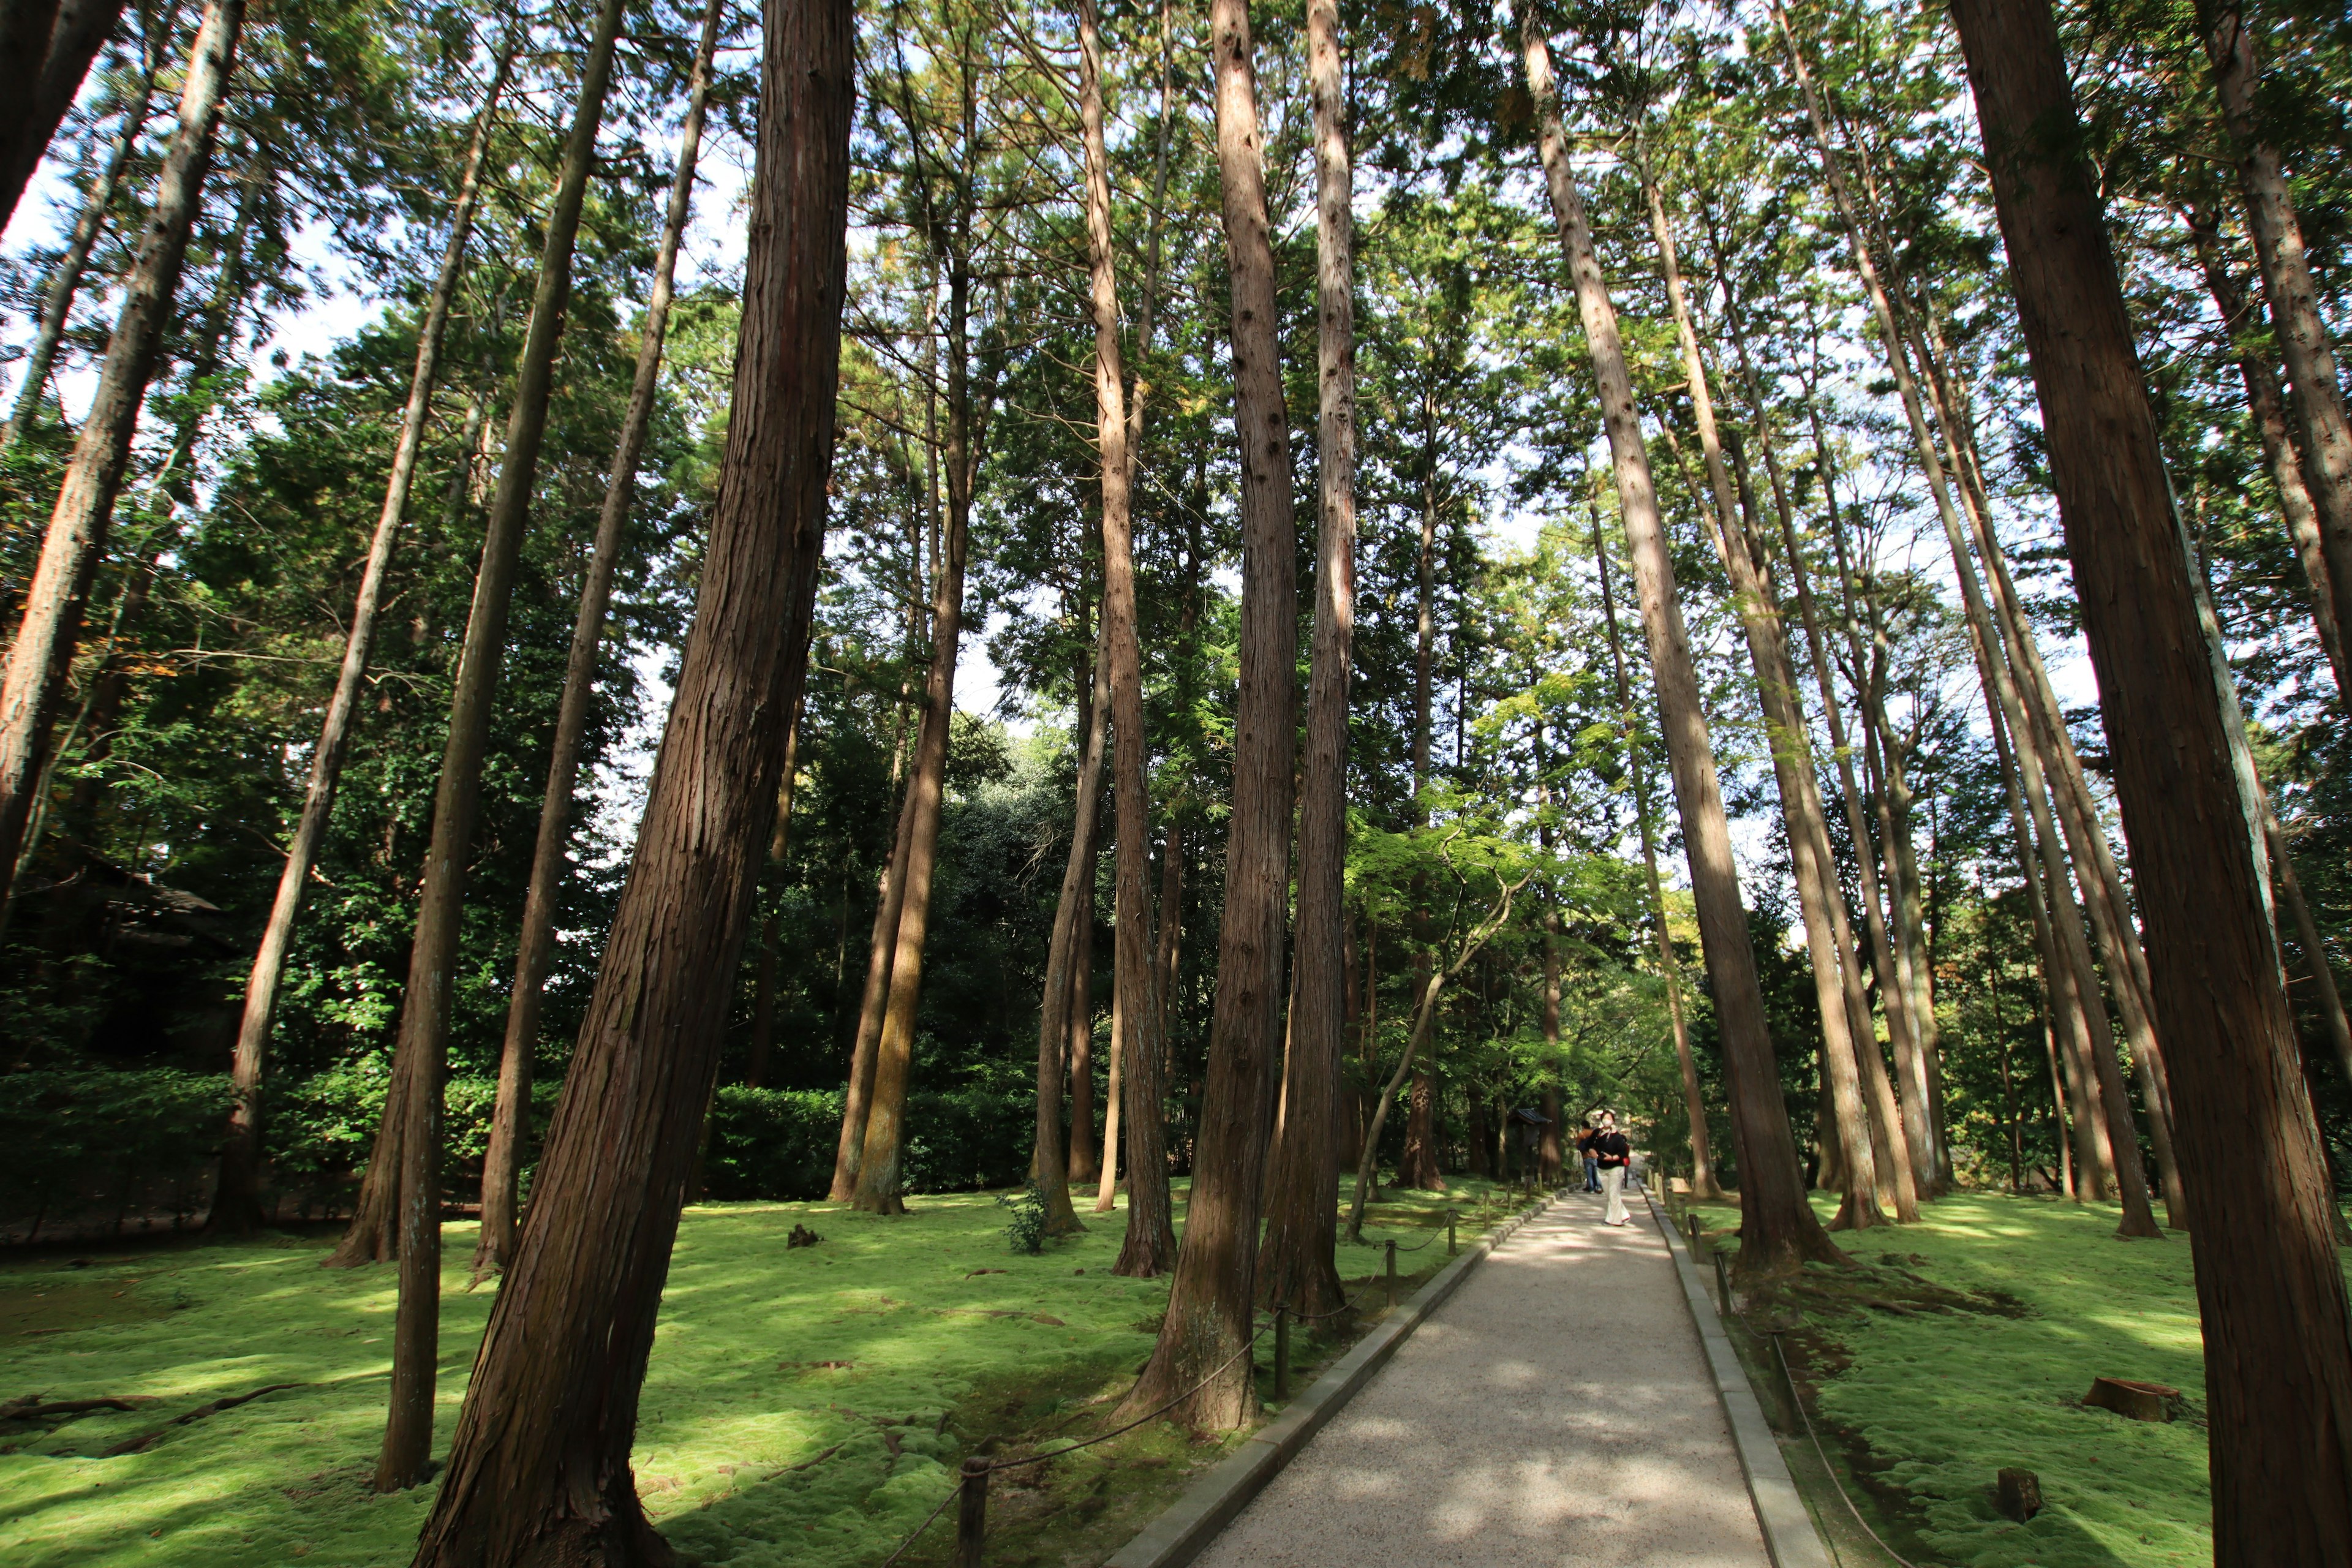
[[1026, 1229]]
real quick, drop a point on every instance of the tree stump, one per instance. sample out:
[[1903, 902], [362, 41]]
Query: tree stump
[[2134, 1401], [2018, 1494]]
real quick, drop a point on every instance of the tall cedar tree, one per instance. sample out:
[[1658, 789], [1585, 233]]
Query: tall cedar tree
[[2278, 1340], [535, 949], [412, 1130], [1778, 1228], [43, 652], [1202, 1359], [1299, 1268], [538, 1471], [236, 1203]]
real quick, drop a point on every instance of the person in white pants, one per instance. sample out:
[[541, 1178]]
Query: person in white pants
[[1616, 1153]]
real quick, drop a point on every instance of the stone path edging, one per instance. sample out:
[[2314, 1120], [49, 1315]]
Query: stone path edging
[[1211, 1503], [1789, 1531]]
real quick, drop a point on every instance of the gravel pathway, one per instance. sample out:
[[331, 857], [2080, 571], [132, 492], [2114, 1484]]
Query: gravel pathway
[[1556, 1411]]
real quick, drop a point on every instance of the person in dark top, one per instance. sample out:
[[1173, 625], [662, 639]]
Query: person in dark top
[[1613, 1153], [1592, 1161]]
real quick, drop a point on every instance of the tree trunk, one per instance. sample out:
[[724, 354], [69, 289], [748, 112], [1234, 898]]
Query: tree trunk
[[1417, 1166], [889, 901], [420, 1056], [42, 655], [1057, 1024], [1779, 1229], [236, 1203], [2271, 1294], [2138, 1219], [764, 1000], [2277, 233], [1299, 1266], [2266, 402], [1202, 1350], [877, 1185], [45, 48], [65, 278], [535, 946], [538, 1472]]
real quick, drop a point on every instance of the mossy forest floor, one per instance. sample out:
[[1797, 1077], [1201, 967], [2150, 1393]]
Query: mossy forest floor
[[1963, 1347], [806, 1405]]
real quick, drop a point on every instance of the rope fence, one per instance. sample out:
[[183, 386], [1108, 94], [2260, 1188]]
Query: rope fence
[[971, 1481]]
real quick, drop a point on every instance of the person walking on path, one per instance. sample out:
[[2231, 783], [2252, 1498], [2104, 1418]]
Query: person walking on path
[[1584, 1140], [1613, 1153]]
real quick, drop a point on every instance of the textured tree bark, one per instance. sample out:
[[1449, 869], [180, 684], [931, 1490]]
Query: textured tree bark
[[535, 946], [1417, 1168], [1779, 1229], [33, 678], [237, 1206], [1064, 952], [2277, 233], [1298, 1265], [877, 1185], [65, 278], [1201, 1354], [45, 48], [422, 1050], [2272, 1297], [1704, 1185], [2115, 1128], [538, 1471], [2266, 401], [888, 903]]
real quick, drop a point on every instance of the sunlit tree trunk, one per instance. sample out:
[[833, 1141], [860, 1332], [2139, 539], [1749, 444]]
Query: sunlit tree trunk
[[33, 678], [538, 1471], [535, 947], [1201, 1351], [2277, 1334], [421, 1052], [1779, 1229]]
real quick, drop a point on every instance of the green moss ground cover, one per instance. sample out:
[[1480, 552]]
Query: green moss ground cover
[[1932, 1403], [803, 1407]]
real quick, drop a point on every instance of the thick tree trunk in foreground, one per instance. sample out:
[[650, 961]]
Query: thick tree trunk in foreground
[[539, 1473], [41, 658], [2276, 229], [1779, 1229], [420, 1054], [535, 947], [65, 278], [45, 48], [237, 1203], [1298, 1265], [2278, 1337], [1203, 1352]]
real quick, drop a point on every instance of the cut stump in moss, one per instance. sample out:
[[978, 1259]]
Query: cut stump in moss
[[2136, 1400]]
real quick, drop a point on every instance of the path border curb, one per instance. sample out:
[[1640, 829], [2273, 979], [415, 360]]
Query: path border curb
[[1789, 1535], [1185, 1529]]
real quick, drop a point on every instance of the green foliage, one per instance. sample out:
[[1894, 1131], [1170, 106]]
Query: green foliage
[[1026, 1229], [132, 1132]]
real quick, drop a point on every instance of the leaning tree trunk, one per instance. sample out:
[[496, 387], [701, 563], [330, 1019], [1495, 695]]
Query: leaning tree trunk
[[889, 900], [1202, 1350], [1299, 1266], [2278, 232], [2277, 1334], [1779, 1229], [1704, 1185], [39, 659], [535, 947], [420, 1056], [237, 1203], [2138, 1219], [876, 1190], [1063, 954], [45, 49], [2266, 402], [65, 278], [538, 1471]]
